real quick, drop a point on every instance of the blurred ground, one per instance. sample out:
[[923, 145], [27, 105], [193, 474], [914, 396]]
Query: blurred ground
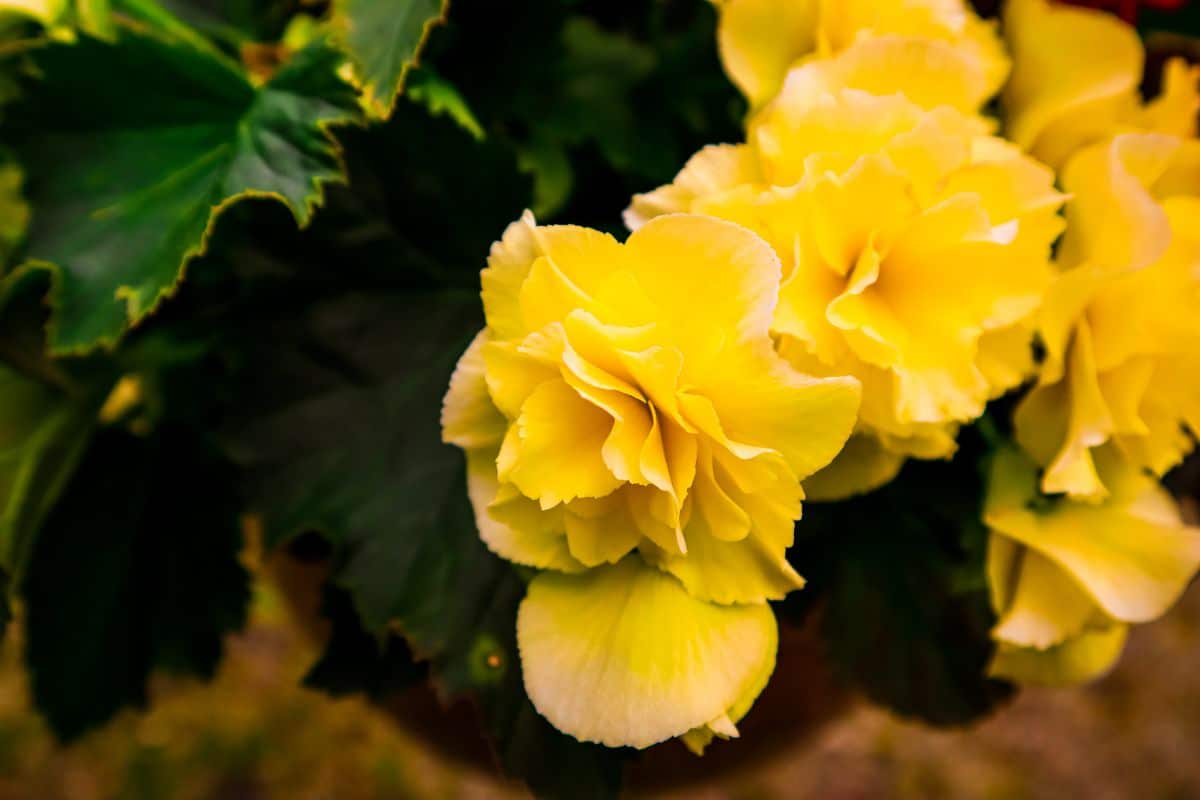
[[254, 735]]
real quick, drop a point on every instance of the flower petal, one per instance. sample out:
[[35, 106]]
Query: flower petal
[[624, 656], [753, 568], [1132, 553], [862, 466], [553, 452], [1074, 71], [701, 184], [760, 39], [807, 420], [512, 525], [1085, 658], [1046, 606], [469, 417], [686, 262]]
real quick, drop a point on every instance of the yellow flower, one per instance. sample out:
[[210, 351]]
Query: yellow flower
[[1075, 80], [1068, 577], [887, 45], [914, 248], [630, 429], [1120, 327]]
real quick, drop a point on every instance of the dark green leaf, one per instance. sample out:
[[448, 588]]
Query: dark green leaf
[[383, 39], [439, 96], [43, 434], [625, 92], [355, 660], [900, 573], [443, 196], [46, 418], [136, 568], [14, 211], [126, 182]]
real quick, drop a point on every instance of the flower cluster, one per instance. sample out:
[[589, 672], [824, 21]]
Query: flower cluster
[[1117, 396], [915, 245], [796, 315]]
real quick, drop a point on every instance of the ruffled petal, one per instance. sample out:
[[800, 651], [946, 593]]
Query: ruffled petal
[[700, 187], [469, 417], [686, 262], [553, 453], [510, 524], [752, 567]]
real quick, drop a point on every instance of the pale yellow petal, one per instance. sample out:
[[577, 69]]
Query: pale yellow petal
[[753, 568], [507, 267], [759, 39], [513, 526], [575, 263], [1134, 564], [686, 262], [931, 72], [862, 466], [724, 726], [807, 420], [553, 451], [600, 531], [624, 656], [1089, 425], [708, 175], [1075, 71], [469, 417], [1079, 660], [1114, 224], [1046, 606]]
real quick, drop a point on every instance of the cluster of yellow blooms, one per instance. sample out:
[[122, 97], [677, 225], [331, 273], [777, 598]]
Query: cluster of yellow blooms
[[798, 314]]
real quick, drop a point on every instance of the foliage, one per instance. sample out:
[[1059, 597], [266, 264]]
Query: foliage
[[240, 247], [906, 564]]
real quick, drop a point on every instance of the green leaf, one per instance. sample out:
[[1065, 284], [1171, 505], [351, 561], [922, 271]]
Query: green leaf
[[383, 39], [47, 415], [135, 569], [439, 96], [14, 211], [354, 660], [43, 434], [624, 93], [443, 196], [339, 433], [900, 573], [127, 183]]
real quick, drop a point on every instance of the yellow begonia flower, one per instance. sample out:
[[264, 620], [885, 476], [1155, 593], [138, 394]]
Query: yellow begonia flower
[[1075, 80], [1067, 577], [915, 248], [1120, 327], [879, 45], [625, 406]]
